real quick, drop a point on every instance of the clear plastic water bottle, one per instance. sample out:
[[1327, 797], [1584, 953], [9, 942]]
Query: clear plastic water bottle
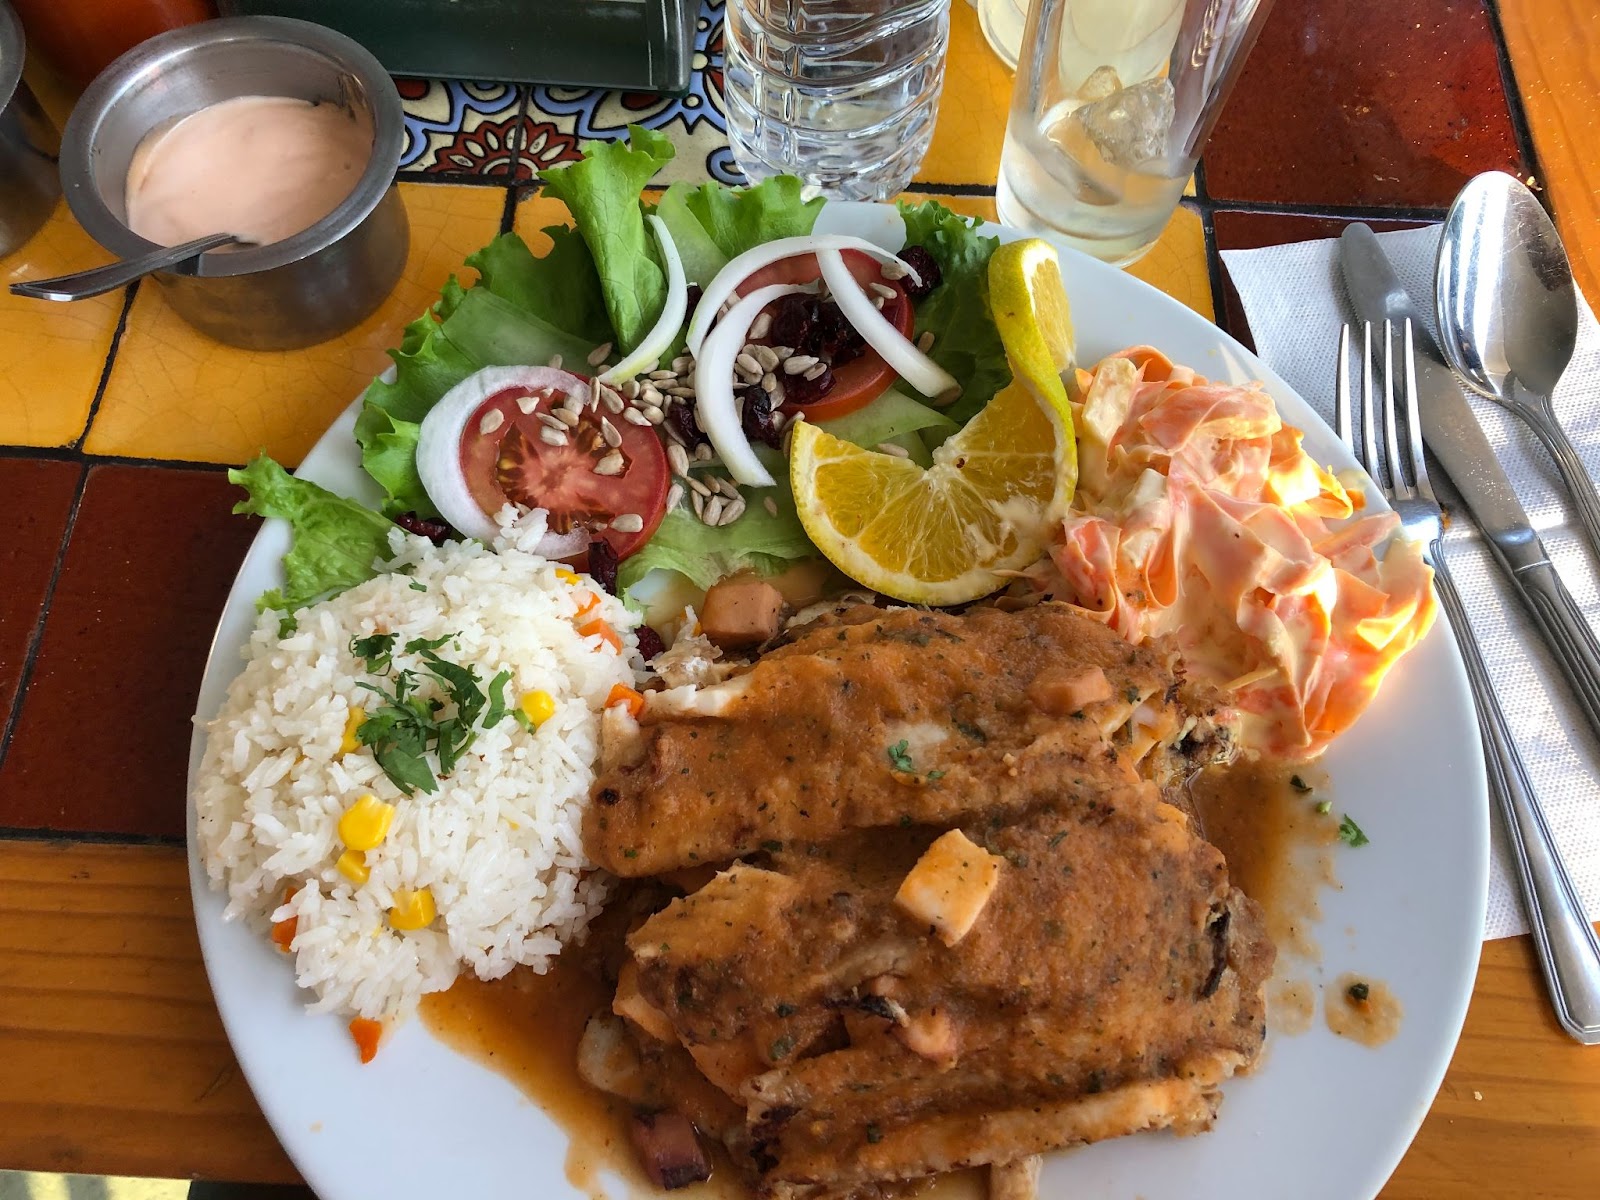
[[842, 93]]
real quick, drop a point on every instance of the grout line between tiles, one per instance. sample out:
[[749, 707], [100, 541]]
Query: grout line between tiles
[[93, 836], [130, 294], [1219, 287], [76, 455], [461, 179], [1350, 212], [36, 637], [1520, 128]]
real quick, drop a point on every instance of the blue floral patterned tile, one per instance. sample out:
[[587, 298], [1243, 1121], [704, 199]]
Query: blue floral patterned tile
[[459, 128], [559, 118]]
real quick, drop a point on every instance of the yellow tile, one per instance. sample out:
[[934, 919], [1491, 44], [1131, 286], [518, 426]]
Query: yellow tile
[[972, 111], [174, 393], [537, 212], [54, 352], [1177, 263]]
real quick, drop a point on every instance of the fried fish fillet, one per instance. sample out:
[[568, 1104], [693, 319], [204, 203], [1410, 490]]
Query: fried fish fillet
[[1110, 984], [888, 718]]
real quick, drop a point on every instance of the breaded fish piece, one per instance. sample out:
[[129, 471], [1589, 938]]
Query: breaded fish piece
[[891, 718]]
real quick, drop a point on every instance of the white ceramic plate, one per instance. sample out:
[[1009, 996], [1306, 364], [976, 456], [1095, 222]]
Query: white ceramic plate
[[1324, 1118]]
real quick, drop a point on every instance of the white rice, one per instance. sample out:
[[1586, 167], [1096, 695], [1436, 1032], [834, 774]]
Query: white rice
[[498, 845]]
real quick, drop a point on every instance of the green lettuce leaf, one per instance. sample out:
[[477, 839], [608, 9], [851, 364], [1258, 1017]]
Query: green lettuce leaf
[[701, 257], [562, 289], [493, 332], [602, 191], [336, 542], [764, 542], [737, 219], [887, 419], [966, 342]]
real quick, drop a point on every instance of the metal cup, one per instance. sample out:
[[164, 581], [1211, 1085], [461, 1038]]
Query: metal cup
[[292, 293], [28, 181]]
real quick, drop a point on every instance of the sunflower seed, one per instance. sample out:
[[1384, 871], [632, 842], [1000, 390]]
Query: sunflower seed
[[674, 496], [799, 363], [599, 354], [726, 486], [782, 352], [925, 342], [611, 464], [713, 512], [551, 438], [555, 361], [778, 394], [769, 383], [634, 416], [681, 392], [877, 302], [631, 388], [678, 459], [652, 414], [891, 448], [703, 453], [595, 388], [492, 420], [748, 363], [698, 488], [683, 364], [732, 512], [613, 402], [778, 418], [762, 325], [609, 432], [768, 358], [549, 421], [628, 523], [895, 270], [699, 503], [882, 289], [527, 403], [662, 375], [568, 418], [648, 395], [770, 505], [817, 371]]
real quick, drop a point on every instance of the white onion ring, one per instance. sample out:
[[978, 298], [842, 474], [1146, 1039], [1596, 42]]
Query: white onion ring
[[899, 351], [726, 282], [715, 406], [655, 343]]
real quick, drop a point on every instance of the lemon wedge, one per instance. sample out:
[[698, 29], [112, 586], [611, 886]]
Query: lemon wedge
[[1032, 314], [941, 535]]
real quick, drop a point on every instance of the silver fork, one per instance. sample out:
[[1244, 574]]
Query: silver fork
[[1569, 952]]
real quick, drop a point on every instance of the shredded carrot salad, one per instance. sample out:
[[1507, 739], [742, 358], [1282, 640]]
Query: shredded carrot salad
[[1200, 517]]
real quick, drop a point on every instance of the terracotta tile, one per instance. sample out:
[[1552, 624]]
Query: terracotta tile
[[102, 733], [458, 128], [1249, 231], [46, 392], [38, 496], [1346, 102], [174, 393]]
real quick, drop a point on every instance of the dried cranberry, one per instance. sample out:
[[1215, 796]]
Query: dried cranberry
[[693, 300], [650, 643], [680, 419], [795, 323], [436, 531], [797, 389], [755, 416], [840, 341], [603, 564], [926, 266]]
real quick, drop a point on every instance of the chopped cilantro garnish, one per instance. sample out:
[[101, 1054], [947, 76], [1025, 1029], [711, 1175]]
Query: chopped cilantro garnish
[[874, 1134], [784, 1010], [1350, 833], [780, 1048], [418, 587], [934, 776], [286, 626], [1358, 992], [1298, 784], [899, 758], [1324, 807], [377, 650]]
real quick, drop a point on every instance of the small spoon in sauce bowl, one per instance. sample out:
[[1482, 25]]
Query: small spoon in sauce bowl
[[98, 280]]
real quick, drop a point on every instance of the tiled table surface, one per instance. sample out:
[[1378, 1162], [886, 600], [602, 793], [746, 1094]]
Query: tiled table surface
[[116, 422]]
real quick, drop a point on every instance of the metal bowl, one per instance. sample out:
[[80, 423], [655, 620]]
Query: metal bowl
[[28, 181], [295, 292]]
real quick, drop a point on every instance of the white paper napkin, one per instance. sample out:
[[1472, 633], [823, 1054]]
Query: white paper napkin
[[1294, 298]]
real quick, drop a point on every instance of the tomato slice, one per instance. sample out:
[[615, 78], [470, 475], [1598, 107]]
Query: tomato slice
[[863, 379], [510, 459]]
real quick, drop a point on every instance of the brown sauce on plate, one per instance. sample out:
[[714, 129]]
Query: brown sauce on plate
[[1362, 1009]]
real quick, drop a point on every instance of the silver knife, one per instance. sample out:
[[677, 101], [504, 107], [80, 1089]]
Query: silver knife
[[1451, 431]]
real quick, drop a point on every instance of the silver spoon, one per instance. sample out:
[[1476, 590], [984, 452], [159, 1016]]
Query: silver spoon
[[1508, 315], [97, 280]]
